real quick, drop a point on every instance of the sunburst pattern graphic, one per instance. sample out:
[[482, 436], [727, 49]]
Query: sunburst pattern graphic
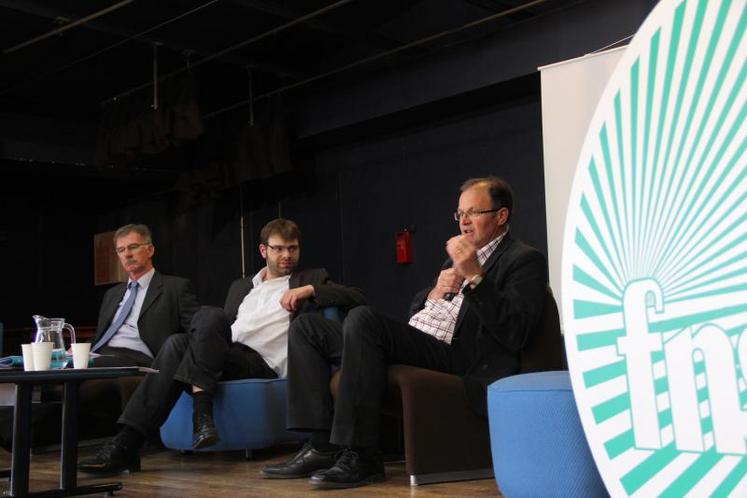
[[660, 194]]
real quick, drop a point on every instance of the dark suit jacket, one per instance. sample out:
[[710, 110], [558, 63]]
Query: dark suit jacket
[[498, 317], [167, 309], [327, 293]]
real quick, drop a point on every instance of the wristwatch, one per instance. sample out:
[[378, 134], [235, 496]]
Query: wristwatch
[[475, 280]]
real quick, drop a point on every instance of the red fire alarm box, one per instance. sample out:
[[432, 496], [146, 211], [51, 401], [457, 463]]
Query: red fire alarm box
[[403, 246]]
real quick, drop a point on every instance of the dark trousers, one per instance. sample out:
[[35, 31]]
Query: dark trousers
[[372, 341], [103, 400], [121, 357], [201, 357]]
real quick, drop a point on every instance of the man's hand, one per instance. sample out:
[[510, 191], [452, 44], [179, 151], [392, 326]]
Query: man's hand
[[463, 255], [449, 282], [292, 298]]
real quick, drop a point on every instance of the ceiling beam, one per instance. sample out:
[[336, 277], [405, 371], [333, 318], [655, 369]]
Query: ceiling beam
[[66, 26], [55, 14], [253, 39], [278, 9], [186, 50]]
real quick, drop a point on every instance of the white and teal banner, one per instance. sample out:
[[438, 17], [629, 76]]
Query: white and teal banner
[[654, 267], [570, 92]]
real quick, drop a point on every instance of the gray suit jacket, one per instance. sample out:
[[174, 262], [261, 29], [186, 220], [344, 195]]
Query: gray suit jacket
[[167, 309]]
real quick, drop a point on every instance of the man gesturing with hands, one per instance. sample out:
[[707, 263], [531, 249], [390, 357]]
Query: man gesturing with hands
[[483, 308]]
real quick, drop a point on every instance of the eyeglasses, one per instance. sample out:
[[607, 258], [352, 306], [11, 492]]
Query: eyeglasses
[[280, 249], [131, 248], [471, 213]]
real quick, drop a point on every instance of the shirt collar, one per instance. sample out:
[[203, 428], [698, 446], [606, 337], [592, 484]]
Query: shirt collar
[[258, 278], [485, 251], [144, 281]]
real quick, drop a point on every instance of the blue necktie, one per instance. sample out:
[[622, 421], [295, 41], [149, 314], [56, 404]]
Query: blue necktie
[[120, 319]]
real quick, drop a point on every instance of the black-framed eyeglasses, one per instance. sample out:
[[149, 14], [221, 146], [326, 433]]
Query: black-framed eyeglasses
[[472, 213], [131, 247], [280, 249]]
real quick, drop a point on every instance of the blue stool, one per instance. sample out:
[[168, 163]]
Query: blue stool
[[538, 445], [249, 414]]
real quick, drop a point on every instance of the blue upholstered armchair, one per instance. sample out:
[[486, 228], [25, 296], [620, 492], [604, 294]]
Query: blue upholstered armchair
[[249, 413]]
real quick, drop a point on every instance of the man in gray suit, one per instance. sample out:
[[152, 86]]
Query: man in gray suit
[[246, 339], [134, 321], [137, 317]]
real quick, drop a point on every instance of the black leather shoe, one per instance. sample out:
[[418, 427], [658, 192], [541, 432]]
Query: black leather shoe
[[303, 464], [205, 434], [352, 469], [112, 458]]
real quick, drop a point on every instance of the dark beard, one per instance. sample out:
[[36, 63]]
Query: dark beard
[[279, 271]]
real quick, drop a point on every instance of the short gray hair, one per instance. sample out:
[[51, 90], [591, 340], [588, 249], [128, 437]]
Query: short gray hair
[[137, 228]]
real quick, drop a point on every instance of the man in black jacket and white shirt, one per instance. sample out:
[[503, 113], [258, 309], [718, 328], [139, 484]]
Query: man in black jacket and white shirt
[[247, 339]]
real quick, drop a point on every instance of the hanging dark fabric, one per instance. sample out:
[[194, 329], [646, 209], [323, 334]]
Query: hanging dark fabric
[[130, 126]]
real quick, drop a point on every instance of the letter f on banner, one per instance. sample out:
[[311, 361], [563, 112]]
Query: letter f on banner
[[637, 346]]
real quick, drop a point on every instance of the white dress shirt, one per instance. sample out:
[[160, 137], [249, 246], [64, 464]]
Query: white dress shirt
[[262, 324]]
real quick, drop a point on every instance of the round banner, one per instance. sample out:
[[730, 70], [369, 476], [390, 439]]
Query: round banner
[[655, 260]]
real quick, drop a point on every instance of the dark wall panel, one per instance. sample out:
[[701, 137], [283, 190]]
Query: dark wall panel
[[46, 249], [584, 27], [201, 243], [411, 180], [318, 216]]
